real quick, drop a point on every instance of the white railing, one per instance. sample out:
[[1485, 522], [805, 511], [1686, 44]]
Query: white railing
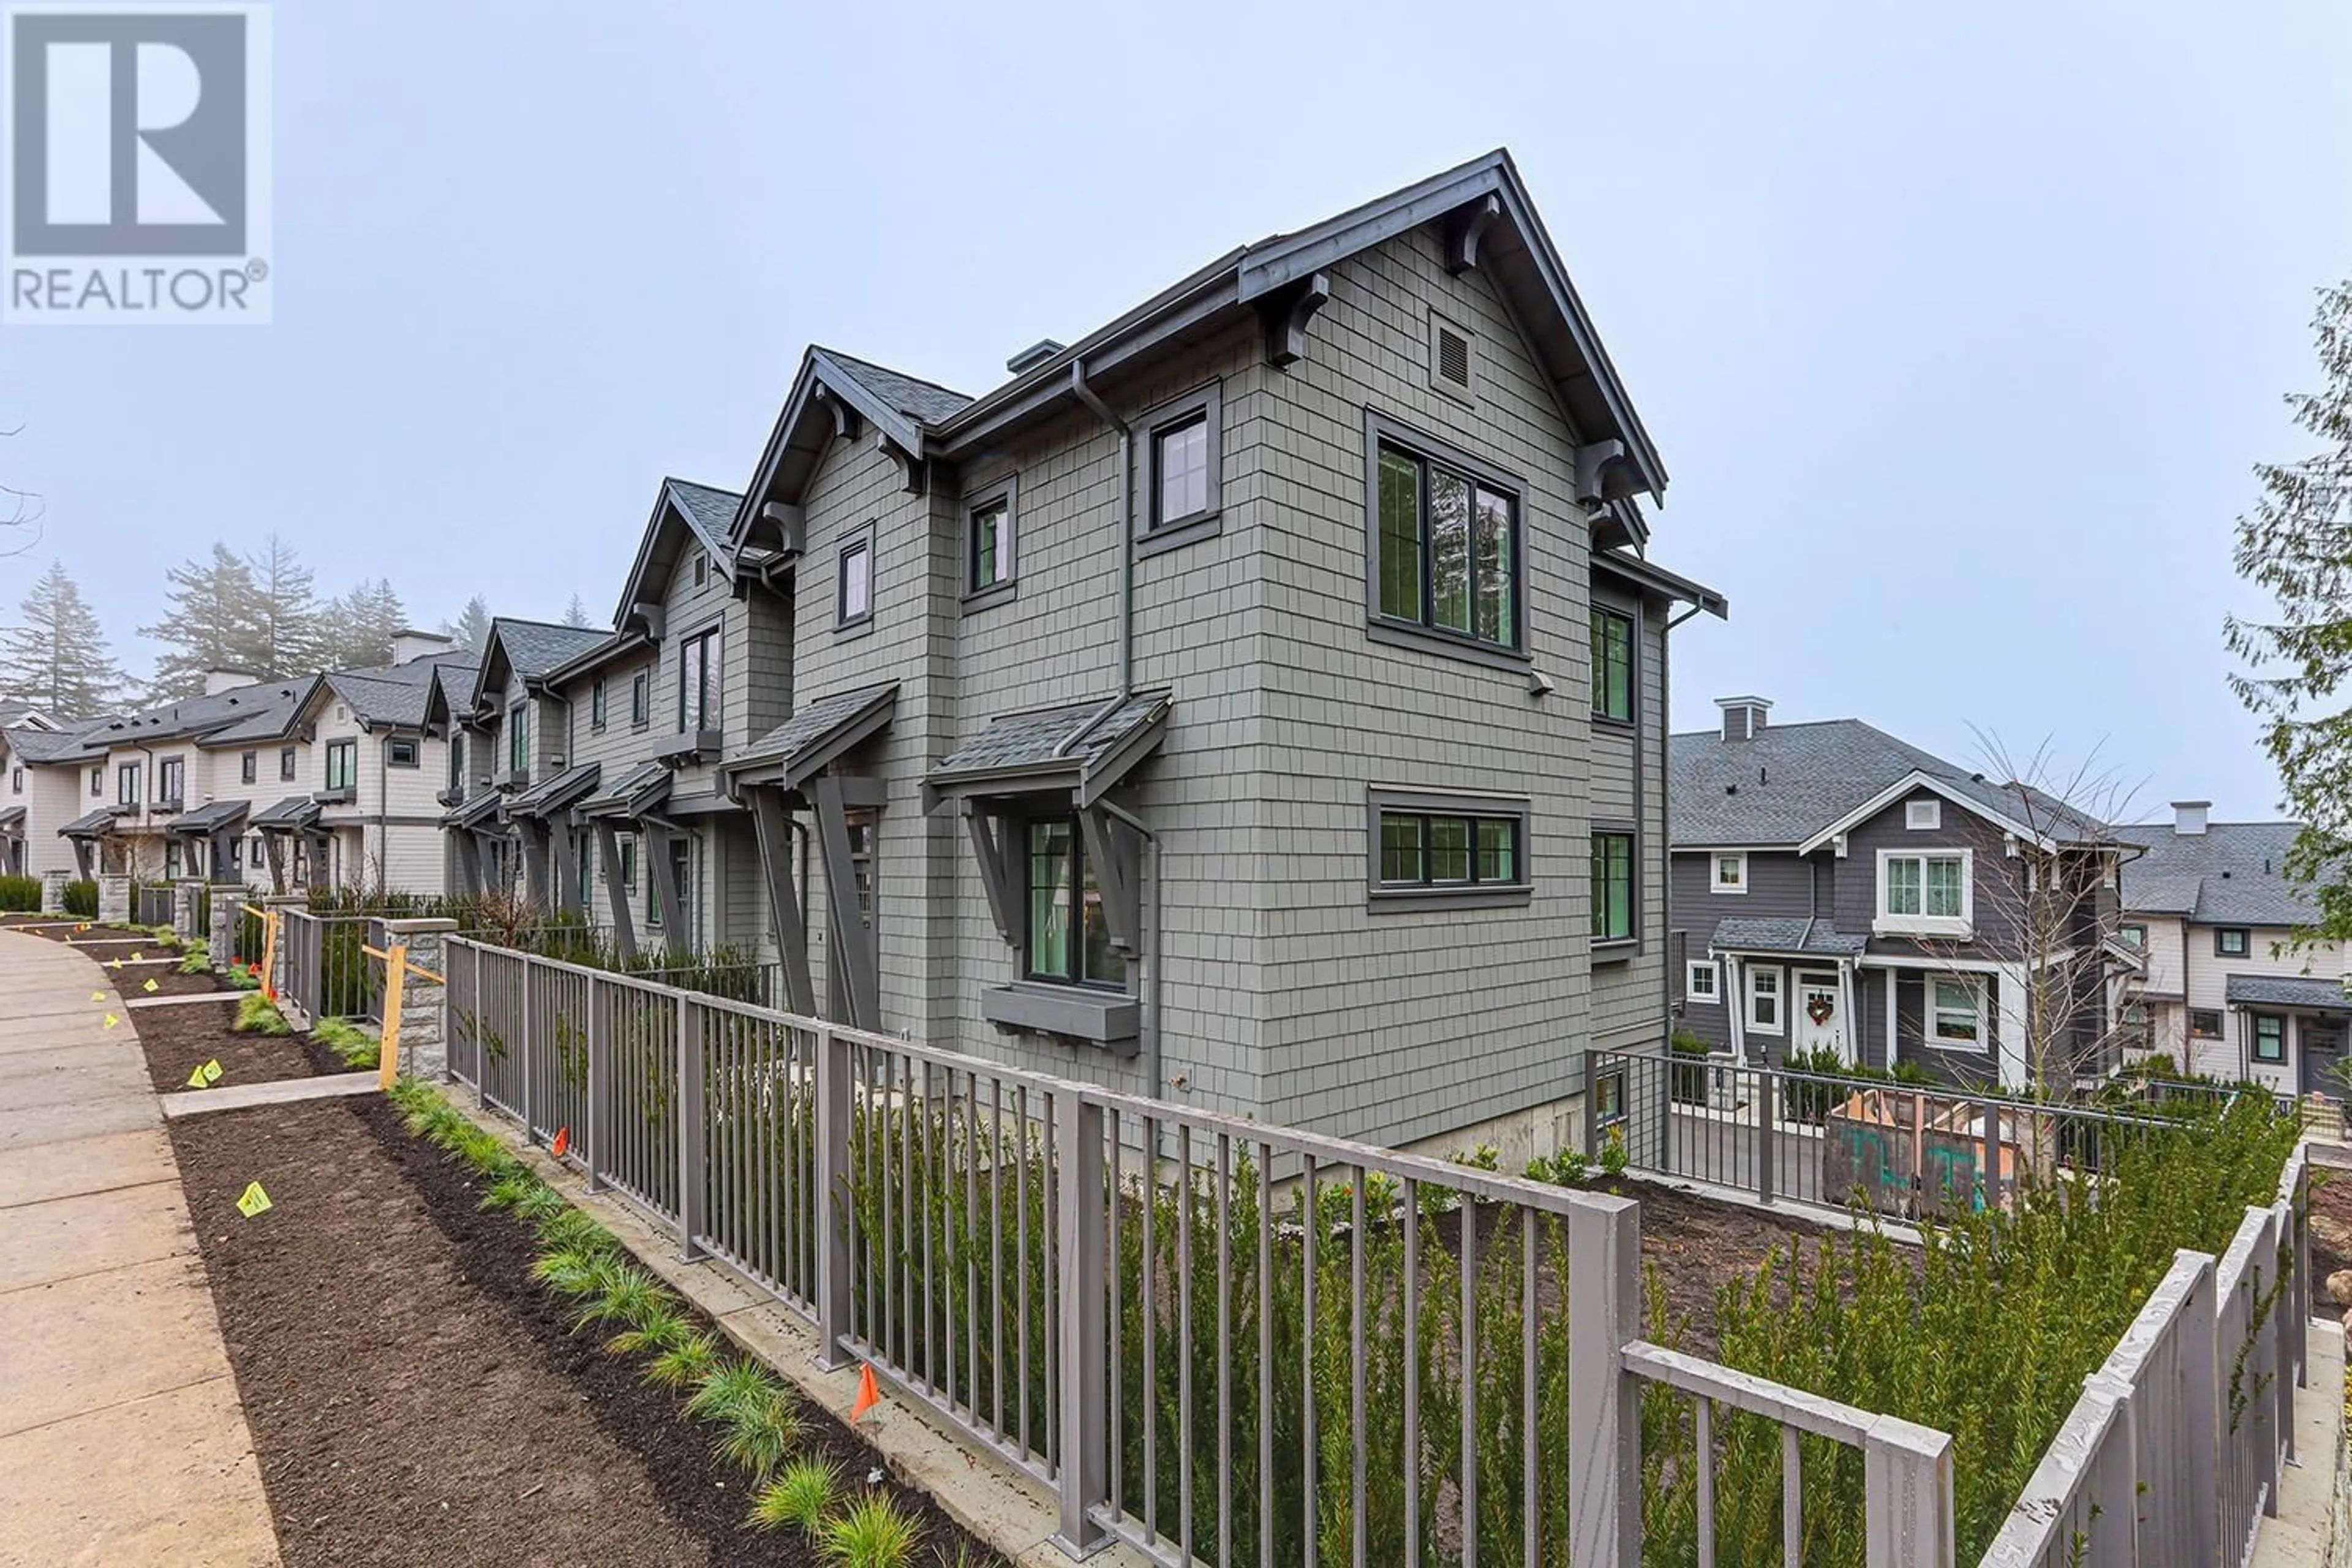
[[1212, 1338]]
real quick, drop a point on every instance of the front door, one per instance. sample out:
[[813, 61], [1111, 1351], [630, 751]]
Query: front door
[[2323, 1057], [1820, 1016]]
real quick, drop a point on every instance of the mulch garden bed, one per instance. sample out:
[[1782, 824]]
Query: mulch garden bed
[[1700, 1244], [177, 1040], [2331, 1233], [414, 1397]]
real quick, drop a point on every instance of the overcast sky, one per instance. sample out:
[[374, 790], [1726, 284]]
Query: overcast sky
[[1959, 327]]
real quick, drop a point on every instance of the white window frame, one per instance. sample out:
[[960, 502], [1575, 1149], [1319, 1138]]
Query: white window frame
[[1780, 995], [1888, 923], [1715, 882], [1974, 984], [1705, 969], [1923, 814]]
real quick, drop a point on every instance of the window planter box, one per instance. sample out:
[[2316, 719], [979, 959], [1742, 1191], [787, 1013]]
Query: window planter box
[[690, 746], [345, 795], [510, 778], [1108, 1018]]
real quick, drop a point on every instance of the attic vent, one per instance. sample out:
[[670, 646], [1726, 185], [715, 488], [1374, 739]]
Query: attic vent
[[701, 571], [1033, 356], [1452, 358]]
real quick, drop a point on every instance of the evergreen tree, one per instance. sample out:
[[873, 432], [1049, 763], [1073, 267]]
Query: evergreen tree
[[358, 626], [575, 614], [2296, 544], [289, 629], [472, 628], [57, 657], [214, 623]]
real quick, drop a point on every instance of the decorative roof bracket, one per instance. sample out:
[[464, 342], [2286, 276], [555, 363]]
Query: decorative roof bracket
[[1286, 314], [1464, 227]]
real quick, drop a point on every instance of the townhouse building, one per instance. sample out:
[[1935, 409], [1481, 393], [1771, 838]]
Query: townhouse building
[[1838, 890], [2227, 987], [35, 801], [1260, 700]]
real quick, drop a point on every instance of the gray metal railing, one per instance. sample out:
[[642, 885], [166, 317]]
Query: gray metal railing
[[2174, 1451], [154, 904], [328, 972], [1906, 1149], [1215, 1340]]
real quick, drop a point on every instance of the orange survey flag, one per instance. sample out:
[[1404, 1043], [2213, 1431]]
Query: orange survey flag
[[562, 1141], [868, 1396]]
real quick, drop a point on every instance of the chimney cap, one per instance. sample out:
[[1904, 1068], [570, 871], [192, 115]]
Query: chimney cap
[[1033, 356], [2189, 817], [1760, 702]]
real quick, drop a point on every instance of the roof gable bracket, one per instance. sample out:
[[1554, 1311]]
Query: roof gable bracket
[[1593, 462], [991, 847], [846, 420], [1464, 228], [1286, 314], [912, 469], [791, 523]]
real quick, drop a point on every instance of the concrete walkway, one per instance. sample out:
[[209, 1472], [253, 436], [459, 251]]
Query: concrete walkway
[[121, 1435]]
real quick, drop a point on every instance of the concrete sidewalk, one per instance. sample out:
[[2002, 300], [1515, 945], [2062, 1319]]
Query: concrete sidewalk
[[121, 1435]]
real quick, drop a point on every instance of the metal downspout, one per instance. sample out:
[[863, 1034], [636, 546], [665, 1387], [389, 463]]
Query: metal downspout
[[1085, 395]]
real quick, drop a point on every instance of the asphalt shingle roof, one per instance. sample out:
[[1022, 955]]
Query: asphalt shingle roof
[[393, 694], [91, 823], [923, 401], [1794, 933], [640, 789], [261, 709], [11, 816], [709, 511], [1023, 741], [534, 648], [556, 794], [213, 815], [813, 724], [296, 811], [1793, 780], [33, 745], [2287, 991], [475, 812], [2234, 873]]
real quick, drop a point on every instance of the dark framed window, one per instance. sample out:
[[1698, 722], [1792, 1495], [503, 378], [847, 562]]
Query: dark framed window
[[1180, 477], [852, 581], [457, 761], [626, 846], [2232, 942], [990, 559], [1069, 938], [1444, 542], [1608, 1096], [2132, 936], [1613, 664], [248, 767], [596, 704], [172, 779], [588, 870], [2205, 1022], [126, 785], [343, 764], [1613, 886], [173, 861], [640, 700], [518, 738], [400, 751], [286, 764], [697, 682], [97, 782], [681, 864], [1433, 849], [1180, 471], [16, 781], [2270, 1037], [702, 569]]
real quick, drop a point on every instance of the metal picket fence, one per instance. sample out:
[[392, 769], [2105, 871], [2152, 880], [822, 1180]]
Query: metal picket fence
[[153, 904], [1215, 1340], [327, 970]]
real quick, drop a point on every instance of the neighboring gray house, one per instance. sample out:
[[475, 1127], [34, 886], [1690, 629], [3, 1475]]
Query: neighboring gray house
[[508, 764], [1260, 702], [1837, 888], [2227, 989]]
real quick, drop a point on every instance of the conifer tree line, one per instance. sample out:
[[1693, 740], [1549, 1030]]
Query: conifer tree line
[[259, 612]]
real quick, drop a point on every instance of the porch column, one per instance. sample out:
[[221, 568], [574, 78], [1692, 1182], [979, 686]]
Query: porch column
[[1894, 1034], [1736, 1005], [82, 859], [534, 862], [456, 846], [564, 853], [664, 872], [273, 845], [1847, 1011], [773, 828], [852, 943], [616, 895], [2016, 1072]]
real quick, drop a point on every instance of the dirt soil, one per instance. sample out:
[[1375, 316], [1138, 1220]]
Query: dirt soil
[[1698, 1245], [2331, 1233], [180, 1040], [415, 1398]]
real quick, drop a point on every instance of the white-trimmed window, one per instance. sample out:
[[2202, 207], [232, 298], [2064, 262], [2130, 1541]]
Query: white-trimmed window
[[1956, 1012], [1918, 813], [1728, 872], [1929, 894], [1764, 999], [1702, 982], [2232, 942]]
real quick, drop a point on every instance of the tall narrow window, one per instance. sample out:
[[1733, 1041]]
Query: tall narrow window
[[343, 764], [171, 781], [854, 590], [97, 782], [248, 767], [2270, 1037], [988, 538], [596, 704], [1613, 886], [640, 700], [1069, 934], [1179, 465], [518, 738], [126, 785], [697, 682], [1177, 493], [457, 761], [1447, 547], [1613, 664], [286, 765]]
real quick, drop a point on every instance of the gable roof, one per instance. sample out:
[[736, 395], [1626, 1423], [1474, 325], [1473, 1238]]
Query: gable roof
[[1079, 747], [1484, 204], [1792, 783], [15, 711], [528, 650], [262, 707], [392, 695], [2234, 873], [682, 510]]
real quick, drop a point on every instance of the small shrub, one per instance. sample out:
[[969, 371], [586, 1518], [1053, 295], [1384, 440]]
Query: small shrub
[[870, 1534], [759, 1432], [20, 895], [1612, 1154], [259, 1016], [734, 1384], [1485, 1157], [802, 1497], [353, 1046], [685, 1365], [243, 977], [81, 901], [571, 1229], [512, 1190], [541, 1204], [630, 1294], [660, 1327], [1568, 1168], [198, 959]]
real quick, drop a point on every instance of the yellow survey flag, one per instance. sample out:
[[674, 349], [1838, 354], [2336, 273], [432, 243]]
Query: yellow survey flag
[[254, 1201], [212, 1071], [151, 986], [135, 958], [115, 964], [98, 996], [197, 1079], [112, 1020]]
